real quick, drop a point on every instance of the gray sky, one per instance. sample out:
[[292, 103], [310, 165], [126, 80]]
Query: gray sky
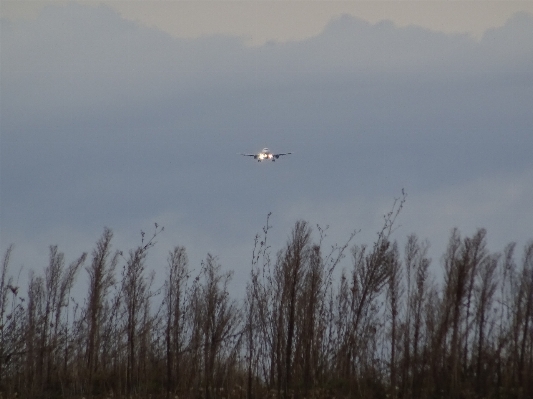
[[260, 21], [123, 114]]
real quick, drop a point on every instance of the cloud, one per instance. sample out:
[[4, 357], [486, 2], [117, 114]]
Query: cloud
[[109, 122]]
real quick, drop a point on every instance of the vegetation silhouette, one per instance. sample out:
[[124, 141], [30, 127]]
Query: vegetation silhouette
[[384, 328]]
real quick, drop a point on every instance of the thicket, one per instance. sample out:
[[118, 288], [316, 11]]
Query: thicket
[[386, 328]]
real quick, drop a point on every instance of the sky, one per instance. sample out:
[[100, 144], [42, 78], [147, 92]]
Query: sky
[[125, 114]]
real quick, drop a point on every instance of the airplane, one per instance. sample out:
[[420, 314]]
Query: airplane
[[266, 155]]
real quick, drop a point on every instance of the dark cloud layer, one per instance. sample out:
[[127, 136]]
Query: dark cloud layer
[[105, 122]]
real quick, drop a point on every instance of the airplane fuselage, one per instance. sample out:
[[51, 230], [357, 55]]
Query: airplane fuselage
[[265, 155]]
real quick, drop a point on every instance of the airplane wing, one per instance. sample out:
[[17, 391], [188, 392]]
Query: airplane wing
[[279, 155], [250, 155]]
